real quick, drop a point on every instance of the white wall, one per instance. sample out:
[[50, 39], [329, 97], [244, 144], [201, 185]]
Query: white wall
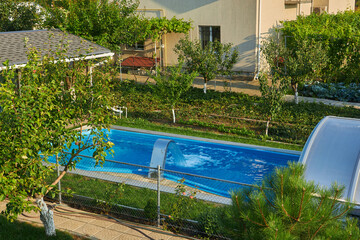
[[236, 18]]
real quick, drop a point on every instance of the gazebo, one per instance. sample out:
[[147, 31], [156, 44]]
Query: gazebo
[[13, 49]]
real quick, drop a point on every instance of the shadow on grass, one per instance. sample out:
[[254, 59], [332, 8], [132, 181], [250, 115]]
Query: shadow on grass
[[20, 231]]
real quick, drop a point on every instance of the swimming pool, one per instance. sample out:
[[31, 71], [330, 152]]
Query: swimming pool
[[218, 160]]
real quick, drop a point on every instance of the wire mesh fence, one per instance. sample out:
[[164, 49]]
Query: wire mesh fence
[[180, 202]]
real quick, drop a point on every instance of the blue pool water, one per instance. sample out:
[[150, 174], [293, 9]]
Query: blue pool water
[[228, 162]]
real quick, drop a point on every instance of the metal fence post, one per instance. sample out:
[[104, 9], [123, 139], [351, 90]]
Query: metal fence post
[[58, 173], [158, 195]]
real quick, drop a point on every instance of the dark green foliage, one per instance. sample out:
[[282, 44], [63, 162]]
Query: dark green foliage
[[16, 15], [150, 210], [216, 222], [37, 122], [135, 197], [233, 115], [111, 195], [336, 91], [157, 27], [108, 23], [271, 95], [298, 65], [338, 34], [172, 84], [286, 206], [305, 62], [19, 231], [212, 60]]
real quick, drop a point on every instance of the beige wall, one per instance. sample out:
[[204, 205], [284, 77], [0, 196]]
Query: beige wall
[[334, 6], [238, 21], [320, 3], [275, 11], [341, 5], [236, 18]]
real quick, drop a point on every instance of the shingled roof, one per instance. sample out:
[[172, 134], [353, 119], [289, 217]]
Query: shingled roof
[[12, 46]]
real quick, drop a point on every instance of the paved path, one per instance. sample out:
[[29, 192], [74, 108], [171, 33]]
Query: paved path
[[239, 84], [95, 226], [290, 98]]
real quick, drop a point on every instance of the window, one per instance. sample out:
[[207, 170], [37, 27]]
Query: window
[[209, 34], [136, 46]]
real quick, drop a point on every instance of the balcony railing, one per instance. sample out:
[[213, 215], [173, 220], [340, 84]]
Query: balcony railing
[[296, 1]]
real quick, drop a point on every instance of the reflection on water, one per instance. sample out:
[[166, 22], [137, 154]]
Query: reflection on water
[[210, 159]]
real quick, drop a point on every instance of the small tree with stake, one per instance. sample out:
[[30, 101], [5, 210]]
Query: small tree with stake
[[286, 206], [212, 60], [38, 120], [301, 64], [304, 63], [172, 84], [271, 96]]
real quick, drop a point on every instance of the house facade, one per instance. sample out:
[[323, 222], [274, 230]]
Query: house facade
[[241, 22]]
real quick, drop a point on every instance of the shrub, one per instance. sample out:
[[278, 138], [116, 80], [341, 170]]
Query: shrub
[[209, 61], [150, 210], [335, 91], [172, 84], [286, 206], [338, 34], [15, 15], [215, 222]]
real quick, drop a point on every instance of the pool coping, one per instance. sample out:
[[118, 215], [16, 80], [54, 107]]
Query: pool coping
[[262, 148]]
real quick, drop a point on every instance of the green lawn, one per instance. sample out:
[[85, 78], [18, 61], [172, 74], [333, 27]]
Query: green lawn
[[23, 231], [114, 193]]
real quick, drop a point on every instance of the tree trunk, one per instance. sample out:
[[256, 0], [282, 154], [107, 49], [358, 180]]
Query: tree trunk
[[155, 59], [173, 114], [47, 217], [296, 94], [205, 87], [267, 127]]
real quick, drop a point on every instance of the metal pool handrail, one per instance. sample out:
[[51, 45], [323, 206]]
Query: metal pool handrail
[[172, 171]]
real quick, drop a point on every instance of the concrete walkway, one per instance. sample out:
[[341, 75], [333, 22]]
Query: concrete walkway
[[95, 226], [290, 98]]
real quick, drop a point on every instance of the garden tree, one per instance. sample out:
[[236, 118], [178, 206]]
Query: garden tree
[[171, 84], [38, 121], [110, 23], [271, 95], [302, 64], [212, 60], [17, 15], [286, 206]]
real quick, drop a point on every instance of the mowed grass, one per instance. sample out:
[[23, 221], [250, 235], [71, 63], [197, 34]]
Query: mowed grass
[[23, 231], [115, 193]]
